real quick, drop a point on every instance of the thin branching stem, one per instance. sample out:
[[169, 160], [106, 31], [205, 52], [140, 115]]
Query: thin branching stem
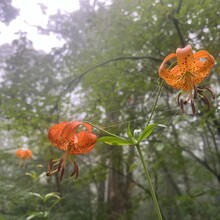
[[143, 161], [104, 131], [149, 183], [155, 104]]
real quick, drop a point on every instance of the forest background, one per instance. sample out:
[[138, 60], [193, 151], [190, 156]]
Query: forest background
[[107, 73]]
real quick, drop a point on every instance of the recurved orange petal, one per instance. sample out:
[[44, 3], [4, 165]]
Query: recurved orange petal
[[54, 133], [185, 59], [204, 62], [84, 142], [172, 77], [163, 71], [69, 131], [88, 126]]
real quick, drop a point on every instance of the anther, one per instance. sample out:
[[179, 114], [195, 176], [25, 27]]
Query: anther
[[185, 102], [211, 92], [60, 164], [77, 172], [195, 93], [193, 107], [74, 171], [181, 106], [62, 173], [178, 98], [206, 101]]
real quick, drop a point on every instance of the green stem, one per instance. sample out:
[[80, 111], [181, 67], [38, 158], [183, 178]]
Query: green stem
[[155, 104], [104, 131], [143, 161], [150, 184]]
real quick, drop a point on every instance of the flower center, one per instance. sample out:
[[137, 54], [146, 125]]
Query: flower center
[[188, 80]]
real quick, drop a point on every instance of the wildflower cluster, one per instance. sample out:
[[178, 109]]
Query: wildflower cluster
[[76, 137], [188, 70]]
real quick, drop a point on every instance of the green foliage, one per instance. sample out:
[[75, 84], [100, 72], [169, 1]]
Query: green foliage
[[47, 205], [147, 131], [107, 73]]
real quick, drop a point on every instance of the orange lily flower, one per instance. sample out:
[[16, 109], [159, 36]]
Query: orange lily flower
[[24, 153], [189, 70], [66, 137]]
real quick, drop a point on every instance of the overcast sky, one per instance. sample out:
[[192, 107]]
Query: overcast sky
[[31, 13]]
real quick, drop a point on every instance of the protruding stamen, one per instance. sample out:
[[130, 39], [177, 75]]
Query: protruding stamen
[[50, 173], [211, 92], [206, 101], [200, 89], [77, 172], [60, 164], [185, 102], [178, 98], [74, 171], [62, 173], [195, 93], [181, 105], [193, 107]]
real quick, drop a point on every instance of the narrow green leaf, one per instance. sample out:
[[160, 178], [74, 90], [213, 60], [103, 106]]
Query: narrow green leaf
[[129, 133], [147, 131], [115, 140], [53, 194], [35, 214], [36, 195]]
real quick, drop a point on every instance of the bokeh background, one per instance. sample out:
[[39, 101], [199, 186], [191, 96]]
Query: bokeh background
[[98, 61]]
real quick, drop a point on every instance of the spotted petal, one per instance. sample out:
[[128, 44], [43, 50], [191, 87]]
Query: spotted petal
[[185, 59], [164, 72], [84, 142], [203, 62], [69, 131], [54, 133]]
